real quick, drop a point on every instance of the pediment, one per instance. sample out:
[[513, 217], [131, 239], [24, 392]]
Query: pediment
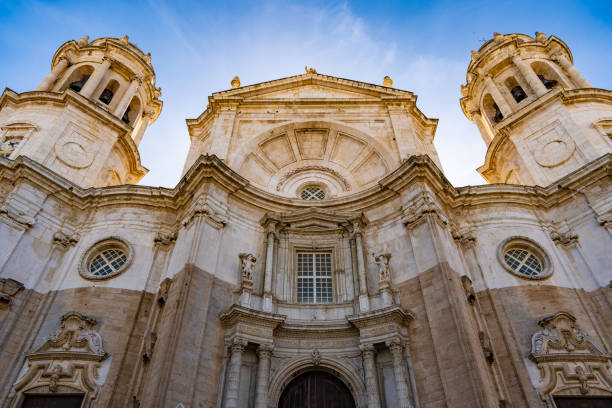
[[311, 92], [314, 86], [314, 220]]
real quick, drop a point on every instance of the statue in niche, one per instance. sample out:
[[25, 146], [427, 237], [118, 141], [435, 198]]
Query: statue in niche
[[384, 269], [247, 263]]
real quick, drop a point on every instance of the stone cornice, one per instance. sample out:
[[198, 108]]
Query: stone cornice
[[238, 314], [209, 169], [124, 139]]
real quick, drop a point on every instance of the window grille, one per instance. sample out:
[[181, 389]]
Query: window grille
[[524, 262], [314, 277], [312, 193], [107, 262]]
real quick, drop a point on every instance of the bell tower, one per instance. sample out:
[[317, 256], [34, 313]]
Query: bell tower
[[539, 117], [87, 117]]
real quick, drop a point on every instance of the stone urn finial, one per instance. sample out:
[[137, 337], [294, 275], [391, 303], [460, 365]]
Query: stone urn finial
[[235, 82], [388, 82]]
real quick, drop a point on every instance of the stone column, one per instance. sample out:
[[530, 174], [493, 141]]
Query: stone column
[[574, 74], [145, 120], [233, 373], [127, 96], [369, 367], [483, 127], [364, 301], [401, 385], [267, 296], [95, 78], [263, 375], [52, 76], [497, 96], [530, 76]]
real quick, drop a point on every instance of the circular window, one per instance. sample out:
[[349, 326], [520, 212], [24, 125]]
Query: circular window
[[106, 259], [312, 193], [524, 258]]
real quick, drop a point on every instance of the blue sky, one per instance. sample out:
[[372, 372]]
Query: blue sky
[[197, 47]]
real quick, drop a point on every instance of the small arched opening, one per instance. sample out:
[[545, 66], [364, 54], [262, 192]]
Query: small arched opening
[[316, 388], [491, 110], [77, 79], [515, 89], [546, 74], [110, 90], [132, 112]]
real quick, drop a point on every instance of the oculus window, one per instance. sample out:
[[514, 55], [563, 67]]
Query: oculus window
[[106, 259], [314, 277], [524, 258]]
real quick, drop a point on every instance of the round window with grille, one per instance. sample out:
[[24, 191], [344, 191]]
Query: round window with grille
[[106, 259], [312, 193], [524, 258]]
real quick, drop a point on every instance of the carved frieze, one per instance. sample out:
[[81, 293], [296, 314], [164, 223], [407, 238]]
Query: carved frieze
[[569, 360]]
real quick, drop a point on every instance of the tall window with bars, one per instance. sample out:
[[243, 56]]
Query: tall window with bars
[[314, 277]]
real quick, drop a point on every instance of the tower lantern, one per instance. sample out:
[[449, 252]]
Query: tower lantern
[[105, 96], [527, 99]]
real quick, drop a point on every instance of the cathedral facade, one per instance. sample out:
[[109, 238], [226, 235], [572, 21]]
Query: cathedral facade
[[313, 253]]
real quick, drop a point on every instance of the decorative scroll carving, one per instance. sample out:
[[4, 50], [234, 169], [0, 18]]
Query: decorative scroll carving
[[570, 362], [463, 238], [564, 238], [67, 362], [164, 238], [203, 209], [421, 206], [8, 289], [65, 240], [315, 357]]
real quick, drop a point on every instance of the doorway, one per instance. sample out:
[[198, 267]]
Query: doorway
[[316, 389]]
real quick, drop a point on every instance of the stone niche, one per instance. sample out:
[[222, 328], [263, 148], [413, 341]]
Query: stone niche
[[71, 363]]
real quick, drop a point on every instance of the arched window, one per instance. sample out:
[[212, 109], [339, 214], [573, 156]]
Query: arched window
[[131, 113], [515, 89], [491, 109], [78, 78], [109, 91], [547, 74]]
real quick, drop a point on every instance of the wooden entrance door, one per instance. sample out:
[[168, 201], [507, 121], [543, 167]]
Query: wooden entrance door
[[580, 402], [316, 389], [52, 401]]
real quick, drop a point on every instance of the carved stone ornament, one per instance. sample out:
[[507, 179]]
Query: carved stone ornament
[[247, 263], [570, 362], [315, 357], [420, 207], [384, 269], [8, 289], [65, 240], [470, 294], [67, 362]]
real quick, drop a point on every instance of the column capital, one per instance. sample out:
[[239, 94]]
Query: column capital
[[108, 60], [137, 78], [367, 349], [265, 350], [395, 345], [238, 344]]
